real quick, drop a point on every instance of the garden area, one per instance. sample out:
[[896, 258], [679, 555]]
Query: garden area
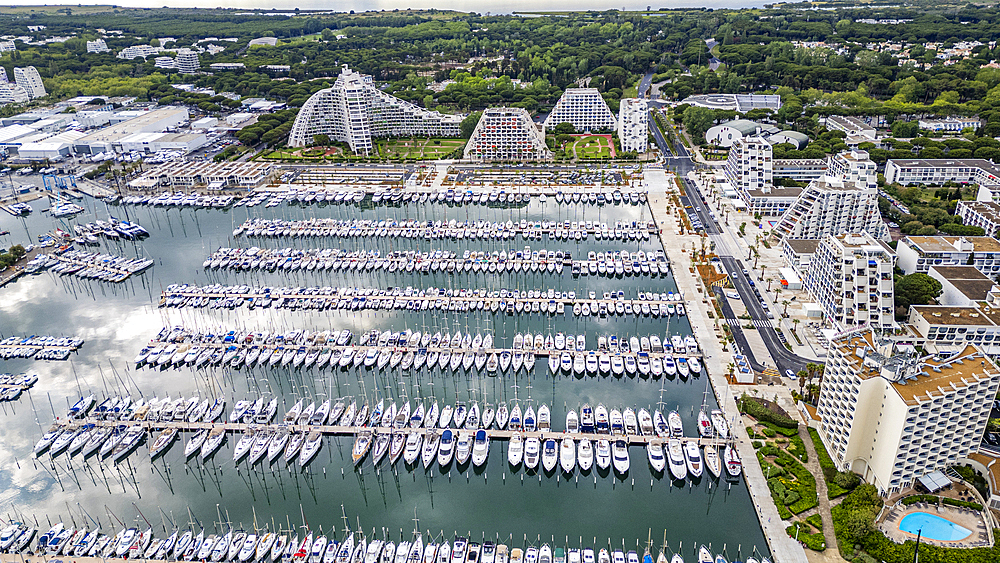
[[590, 147], [782, 454], [420, 148], [861, 542], [307, 154]]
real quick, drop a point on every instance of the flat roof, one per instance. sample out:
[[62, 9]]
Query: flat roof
[[968, 315], [934, 378], [802, 245], [776, 191], [947, 244], [988, 209], [966, 279], [944, 163]]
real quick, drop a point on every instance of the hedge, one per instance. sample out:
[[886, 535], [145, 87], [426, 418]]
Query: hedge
[[798, 449], [789, 432], [804, 484], [913, 499], [815, 542], [865, 500], [833, 490], [816, 520], [752, 407]]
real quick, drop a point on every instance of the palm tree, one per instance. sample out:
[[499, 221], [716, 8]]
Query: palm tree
[[795, 326], [785, 303], [802, 381]]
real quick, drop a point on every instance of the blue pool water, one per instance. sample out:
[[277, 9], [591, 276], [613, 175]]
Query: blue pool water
[[933, 527]]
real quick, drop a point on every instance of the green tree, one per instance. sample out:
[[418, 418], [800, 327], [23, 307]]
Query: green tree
[[564, 128], [697, 121], [321, 140], [468, 124], [915, 289], [905, 129]]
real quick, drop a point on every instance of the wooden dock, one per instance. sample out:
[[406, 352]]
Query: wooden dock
[[488, 301], [335, 430]]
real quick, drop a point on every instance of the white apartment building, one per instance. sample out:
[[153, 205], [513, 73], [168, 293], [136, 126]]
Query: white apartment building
[[750, 171], [951, 124], [800, 169], [507, 134], [354, 111], [831, 206], [584, 108], [187, 63], [893, 418], [750, 165], [984, 214], [7, 46], [854, 166], [853, 126], [135, 51], [843, 201], [97, 46], [29, 79], [918, 254], [633, 125], [850, 277], [726, 134], [12, 94], [934, 171], [164, 62]]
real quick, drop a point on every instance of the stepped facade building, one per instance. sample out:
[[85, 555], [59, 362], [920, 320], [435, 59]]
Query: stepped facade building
[[354, 111]]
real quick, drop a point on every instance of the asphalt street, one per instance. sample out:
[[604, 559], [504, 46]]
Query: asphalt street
[[783, 358]]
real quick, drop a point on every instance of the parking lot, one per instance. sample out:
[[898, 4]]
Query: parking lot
[[520, 175]]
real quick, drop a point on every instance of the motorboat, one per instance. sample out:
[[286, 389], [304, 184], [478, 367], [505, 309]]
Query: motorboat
[[620, 456], [692, 456], [550, 454], [532, 452], [602, 454], [515, 449], [585, 454], [567, 454], [480, 448], [675, 456], [654, 451]]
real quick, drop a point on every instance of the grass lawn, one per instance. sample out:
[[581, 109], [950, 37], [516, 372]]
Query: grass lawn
[[591, 146], [418, 148]]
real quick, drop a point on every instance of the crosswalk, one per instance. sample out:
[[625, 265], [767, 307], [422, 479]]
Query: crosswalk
[[759, 323], [772, 372]]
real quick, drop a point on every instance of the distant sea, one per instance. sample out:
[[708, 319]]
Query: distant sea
[[480, 6]]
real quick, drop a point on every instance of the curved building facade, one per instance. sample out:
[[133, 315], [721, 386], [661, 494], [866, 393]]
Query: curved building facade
[[354, 111]]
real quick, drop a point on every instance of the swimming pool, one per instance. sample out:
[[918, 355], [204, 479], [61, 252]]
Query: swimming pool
[[933, 527]]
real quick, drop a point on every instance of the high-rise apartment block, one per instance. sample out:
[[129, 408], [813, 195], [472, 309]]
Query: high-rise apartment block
[[97, 46], [187, 63], [850, 277], [354, 111], [633, 125], [584, 108], [893, 418], [29, 79], [507, 134]]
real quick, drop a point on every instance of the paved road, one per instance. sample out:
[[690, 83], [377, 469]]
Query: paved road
[[661, 141], [737, 332], [783, 358], [644, 84]]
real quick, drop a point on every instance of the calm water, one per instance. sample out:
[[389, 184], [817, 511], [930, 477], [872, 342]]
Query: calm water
[[116, 320]]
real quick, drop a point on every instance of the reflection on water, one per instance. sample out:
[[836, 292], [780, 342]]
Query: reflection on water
[[492, 501]]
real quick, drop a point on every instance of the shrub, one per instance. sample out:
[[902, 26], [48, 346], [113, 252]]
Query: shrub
[[816, 521], [757, 445], [830, 473], [769, 433], [853, 522], [798, 449], [789, 432], [754, 408], [815, 542]]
